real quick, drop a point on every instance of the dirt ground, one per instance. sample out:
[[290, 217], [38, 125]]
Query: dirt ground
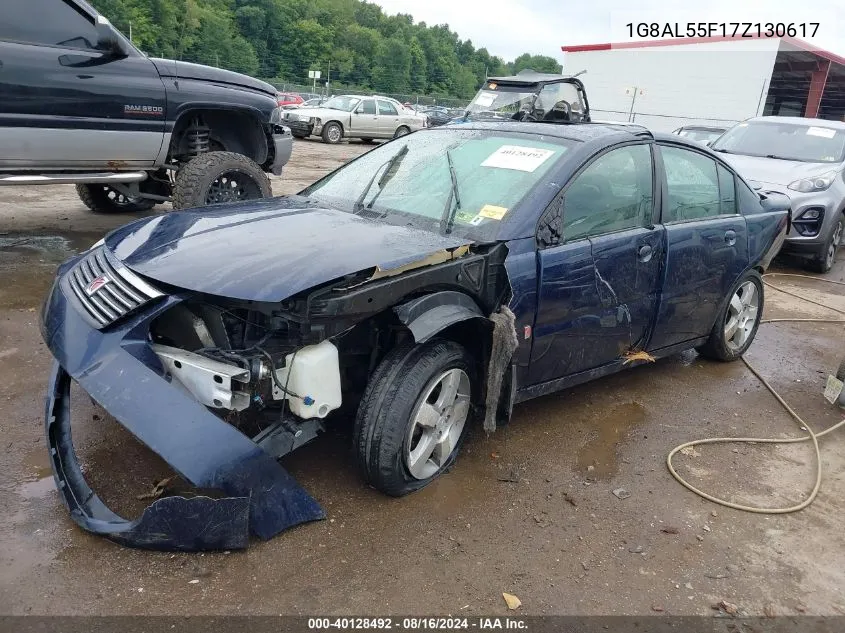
[[529, 510]]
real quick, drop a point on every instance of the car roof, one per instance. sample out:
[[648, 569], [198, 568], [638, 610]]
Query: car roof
[[576, 132], [706, 128], [799, 120]]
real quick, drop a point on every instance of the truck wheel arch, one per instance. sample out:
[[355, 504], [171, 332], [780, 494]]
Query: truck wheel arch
[[236, 130]]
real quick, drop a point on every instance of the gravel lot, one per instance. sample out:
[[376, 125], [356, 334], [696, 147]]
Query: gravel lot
[[529, 510]]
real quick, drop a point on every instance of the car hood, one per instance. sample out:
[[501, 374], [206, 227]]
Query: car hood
[[775, 171], [267, 250], [171, 68]]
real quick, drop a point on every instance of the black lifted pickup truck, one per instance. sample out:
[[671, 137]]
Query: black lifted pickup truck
[[80, 104]]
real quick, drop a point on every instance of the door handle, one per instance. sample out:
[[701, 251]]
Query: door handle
[[730, 237], [645, 252]]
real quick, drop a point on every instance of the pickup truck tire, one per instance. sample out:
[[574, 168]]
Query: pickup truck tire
[[104, 199], [738, 320], [418, 396], [219, 177], [332, 133]]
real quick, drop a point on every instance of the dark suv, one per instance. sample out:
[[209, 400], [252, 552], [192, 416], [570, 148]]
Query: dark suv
[[80, 104]]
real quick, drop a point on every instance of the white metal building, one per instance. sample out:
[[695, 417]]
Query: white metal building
[[664, 84]]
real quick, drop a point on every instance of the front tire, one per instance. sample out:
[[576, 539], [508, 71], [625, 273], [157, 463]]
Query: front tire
[[413, 415], [219, 177], [104, 199], [332, 133], [824, 262], [738, 320]]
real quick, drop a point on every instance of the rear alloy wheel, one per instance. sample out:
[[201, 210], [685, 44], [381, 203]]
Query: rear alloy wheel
[[332, 133], [104, 199], [738, 320], [413, 415], [219, 177], [402, 130], [827, 258]]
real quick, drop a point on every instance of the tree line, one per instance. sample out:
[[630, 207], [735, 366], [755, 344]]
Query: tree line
[[361, 46]]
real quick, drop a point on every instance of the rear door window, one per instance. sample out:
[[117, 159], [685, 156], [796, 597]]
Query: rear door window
[[693, 186], [387, 108]]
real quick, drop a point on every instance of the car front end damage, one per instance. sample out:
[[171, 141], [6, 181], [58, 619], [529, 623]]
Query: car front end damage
[[222, 387]]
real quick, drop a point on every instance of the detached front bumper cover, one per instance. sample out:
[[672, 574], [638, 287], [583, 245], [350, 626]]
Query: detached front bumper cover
[[118, 370]]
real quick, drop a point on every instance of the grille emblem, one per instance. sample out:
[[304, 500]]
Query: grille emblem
[[96, 284]]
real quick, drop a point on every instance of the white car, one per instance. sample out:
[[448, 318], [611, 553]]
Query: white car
[[353, 116]]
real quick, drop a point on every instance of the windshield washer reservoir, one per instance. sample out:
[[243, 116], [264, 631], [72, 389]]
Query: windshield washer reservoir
[[314, 378]]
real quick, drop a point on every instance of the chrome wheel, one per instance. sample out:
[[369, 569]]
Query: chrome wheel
[[334, 134], [438, 421], [742, 315], [830, 256]]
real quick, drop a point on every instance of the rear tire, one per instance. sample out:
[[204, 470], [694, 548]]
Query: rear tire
[[738, 320], [827, 258], [104, 199], [332, 133], [402, 130], [407, 406], [219, 177]]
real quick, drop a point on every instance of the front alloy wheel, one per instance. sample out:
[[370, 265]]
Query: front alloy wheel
[[437, 424], [413, 415]]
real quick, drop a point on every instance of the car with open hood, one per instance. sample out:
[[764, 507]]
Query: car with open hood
[[430, 284], [803, 159], [353, 116]]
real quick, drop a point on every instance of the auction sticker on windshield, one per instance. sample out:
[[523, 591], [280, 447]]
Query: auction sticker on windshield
[[492, 211], [517, 157], [824, 132]]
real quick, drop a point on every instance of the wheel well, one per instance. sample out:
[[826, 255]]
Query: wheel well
[[228, 130], [334, 121]]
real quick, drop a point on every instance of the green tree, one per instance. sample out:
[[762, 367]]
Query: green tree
[[285, 39]]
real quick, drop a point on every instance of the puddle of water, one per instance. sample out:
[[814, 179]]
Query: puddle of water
[[38, 489], [28, 264], [598, 457]]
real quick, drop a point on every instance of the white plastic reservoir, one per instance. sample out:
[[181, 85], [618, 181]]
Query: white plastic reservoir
[[315, 375]]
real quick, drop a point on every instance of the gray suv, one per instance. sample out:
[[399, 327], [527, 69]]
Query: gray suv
[[804, 159]]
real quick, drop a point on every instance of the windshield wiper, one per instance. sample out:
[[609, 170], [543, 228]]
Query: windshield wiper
[[776, 157], [391, 167], [447, 219], [722, 151]]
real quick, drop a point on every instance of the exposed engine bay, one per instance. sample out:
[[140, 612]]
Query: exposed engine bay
[[252, 369]]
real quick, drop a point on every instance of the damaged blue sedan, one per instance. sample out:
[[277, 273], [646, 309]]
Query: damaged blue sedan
[[431, 283]]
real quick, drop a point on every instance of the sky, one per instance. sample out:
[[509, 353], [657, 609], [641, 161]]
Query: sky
[[508, 28]]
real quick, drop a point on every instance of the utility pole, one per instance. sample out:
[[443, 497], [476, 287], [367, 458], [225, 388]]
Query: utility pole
[[328, 78], [130, 31]]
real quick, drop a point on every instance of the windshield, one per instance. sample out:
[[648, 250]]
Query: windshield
[[347, 104], [700, 135], [505, 101], [410, 181], [790, 141]]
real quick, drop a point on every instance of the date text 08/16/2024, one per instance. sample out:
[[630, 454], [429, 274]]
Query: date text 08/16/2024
[[417, 623], [721, 29]]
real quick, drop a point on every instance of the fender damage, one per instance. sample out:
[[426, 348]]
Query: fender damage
[[119, 367]]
